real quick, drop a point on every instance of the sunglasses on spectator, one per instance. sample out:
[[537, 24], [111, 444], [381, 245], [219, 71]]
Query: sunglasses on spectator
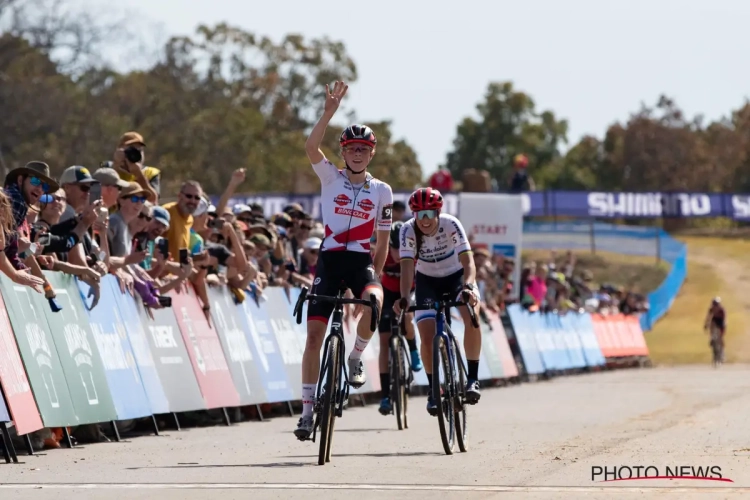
[[136, 199], [191, 196], [145, 216], [314, 252], [36, 182], [425, 214], [58, 199], [85, 188], [306, 228]]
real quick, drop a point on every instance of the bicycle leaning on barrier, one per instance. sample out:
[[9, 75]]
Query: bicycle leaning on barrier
[[450, 395], [333, 382]]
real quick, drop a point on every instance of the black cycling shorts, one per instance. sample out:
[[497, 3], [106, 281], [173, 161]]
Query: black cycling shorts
[[431, 289], [389, 299], [353, 268]]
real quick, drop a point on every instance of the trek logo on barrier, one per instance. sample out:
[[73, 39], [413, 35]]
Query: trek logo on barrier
[[610, 473], [648, 204]]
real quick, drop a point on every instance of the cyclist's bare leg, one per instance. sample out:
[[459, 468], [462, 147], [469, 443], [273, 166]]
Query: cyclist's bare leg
[[409, 326], [472, 335], [426, 327], [316, 331], [426, 334], [363, 327], [473, 349]]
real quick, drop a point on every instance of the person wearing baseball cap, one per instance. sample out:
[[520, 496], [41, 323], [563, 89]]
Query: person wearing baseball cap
[[111, 185], [129, 161], [77, 182]]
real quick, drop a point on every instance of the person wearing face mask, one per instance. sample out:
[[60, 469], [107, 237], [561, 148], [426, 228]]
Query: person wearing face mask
[[444, 265]]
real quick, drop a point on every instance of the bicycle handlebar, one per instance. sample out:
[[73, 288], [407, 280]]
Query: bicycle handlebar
[[444, 304], [372, 304]]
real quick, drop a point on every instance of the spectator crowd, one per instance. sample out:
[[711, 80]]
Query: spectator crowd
[[112, 220], [556, 285]]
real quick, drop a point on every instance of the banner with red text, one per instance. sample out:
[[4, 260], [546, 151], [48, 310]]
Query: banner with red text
[[495, 222]]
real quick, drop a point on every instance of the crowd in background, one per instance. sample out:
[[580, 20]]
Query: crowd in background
[[554, 285]]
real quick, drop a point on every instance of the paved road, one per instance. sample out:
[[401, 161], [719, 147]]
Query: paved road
[[538, 440]]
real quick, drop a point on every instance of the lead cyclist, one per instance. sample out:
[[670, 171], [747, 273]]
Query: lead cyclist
[[444, 264], [354, 205]]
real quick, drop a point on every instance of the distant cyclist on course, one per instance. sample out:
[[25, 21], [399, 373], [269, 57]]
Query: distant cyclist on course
[[353, 204], [391, 280], [716, 322], [439, 244]]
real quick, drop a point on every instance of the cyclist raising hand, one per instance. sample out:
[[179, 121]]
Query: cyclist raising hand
[[353, 205]]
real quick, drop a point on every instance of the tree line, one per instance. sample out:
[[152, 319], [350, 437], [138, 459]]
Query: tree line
[[226, 97]]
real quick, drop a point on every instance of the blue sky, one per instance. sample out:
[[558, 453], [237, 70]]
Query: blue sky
[[425, 65]]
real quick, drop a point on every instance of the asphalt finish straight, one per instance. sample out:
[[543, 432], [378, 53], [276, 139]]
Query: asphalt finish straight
[[535, 440]]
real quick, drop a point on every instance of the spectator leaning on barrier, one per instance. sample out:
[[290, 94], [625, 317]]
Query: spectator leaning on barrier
[[24, 186], [7, 226]]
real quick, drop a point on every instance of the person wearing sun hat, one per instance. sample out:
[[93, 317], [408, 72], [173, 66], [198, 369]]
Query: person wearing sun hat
[[24, 186]]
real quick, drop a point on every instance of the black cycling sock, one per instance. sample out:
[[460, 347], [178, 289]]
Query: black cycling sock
[[385, 385], [473, 370], [429, 381], [412, 344]]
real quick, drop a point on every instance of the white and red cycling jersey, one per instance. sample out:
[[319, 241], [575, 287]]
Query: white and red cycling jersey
[[350, 212]]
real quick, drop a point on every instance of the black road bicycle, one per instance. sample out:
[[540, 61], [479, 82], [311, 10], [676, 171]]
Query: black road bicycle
[[449, 390], [333, 383]]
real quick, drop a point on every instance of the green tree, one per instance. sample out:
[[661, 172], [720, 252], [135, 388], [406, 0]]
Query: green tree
[[508, 124]]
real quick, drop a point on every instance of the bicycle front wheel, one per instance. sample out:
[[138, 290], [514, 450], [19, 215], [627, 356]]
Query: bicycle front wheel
[[443, 394], [329, 401], [462, 435], [397, 383]]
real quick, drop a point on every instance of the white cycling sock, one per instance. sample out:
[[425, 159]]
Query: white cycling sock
[[308, 394], [359, 347]]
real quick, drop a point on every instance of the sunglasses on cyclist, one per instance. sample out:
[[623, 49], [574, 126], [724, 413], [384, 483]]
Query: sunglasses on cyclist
[[36, 182], [425, 214]]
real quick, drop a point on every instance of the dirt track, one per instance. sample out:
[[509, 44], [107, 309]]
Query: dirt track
[[538, 440]]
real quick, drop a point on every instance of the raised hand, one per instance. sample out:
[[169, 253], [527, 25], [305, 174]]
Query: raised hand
[[333, 98]]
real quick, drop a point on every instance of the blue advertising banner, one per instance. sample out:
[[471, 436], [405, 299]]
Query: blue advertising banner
[[286, 337], [565, 204], [584, 327], [558, 339], [131, 321], [572, 342], [111, 338], [265, 350], [526, 339]]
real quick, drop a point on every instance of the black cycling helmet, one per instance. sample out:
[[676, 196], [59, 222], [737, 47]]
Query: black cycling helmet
[[358, 134], [396, 234]]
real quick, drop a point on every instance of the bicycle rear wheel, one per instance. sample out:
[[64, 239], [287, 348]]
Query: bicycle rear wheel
[[462, 435], [397, 386], [329, 401], [442, 393]]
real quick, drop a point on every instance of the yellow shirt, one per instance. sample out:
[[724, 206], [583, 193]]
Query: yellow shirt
[[178, 234]]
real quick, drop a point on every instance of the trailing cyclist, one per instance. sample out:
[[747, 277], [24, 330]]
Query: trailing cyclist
[[354, 205], [391, 280], [716, 323], [444, 264]]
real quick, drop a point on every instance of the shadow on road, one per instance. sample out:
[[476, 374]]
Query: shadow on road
[[376, 455], [218, 466]]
